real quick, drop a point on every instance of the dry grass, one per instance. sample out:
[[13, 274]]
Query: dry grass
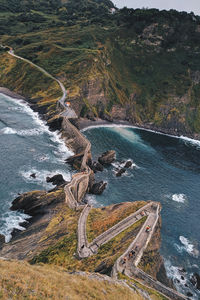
[[101, 219], [19, 280]]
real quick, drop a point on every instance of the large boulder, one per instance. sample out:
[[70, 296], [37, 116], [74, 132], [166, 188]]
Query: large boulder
[[30, 202], [56, 180], [107, 157], [98, 188], [38, 202]]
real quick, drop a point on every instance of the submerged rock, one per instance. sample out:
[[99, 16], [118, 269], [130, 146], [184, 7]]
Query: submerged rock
[[195, 280], [107, 157], [128, 164], [120, 172], [98, 188], [33, 175], [56, 179]]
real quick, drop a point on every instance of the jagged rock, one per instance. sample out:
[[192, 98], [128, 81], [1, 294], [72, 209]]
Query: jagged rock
[[75, 160], [128, 164], [56, 180], [107, 157], [195, 280], [182, 277], [96, 166], [120, 172], [28, 202], [2, 240], [33, 175], [98, 188], [189, 294], [37, 202], [55, 124]]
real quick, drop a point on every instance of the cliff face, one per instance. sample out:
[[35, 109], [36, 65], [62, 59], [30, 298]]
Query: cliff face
[[140, 65], [152, 262]]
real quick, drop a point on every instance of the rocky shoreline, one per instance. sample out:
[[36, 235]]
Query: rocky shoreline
[[40, 220], [84, 124]]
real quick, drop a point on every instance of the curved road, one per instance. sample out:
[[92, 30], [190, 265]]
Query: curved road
[[69, 113]]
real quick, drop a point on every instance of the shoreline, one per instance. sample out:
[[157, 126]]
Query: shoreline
[[85, 124], [7, 92]]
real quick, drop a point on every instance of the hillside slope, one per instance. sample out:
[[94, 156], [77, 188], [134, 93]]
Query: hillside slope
[[138, 65], [21, 281]]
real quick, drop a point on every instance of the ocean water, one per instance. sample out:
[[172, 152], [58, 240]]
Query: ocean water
[[26, 147], [166, 169]]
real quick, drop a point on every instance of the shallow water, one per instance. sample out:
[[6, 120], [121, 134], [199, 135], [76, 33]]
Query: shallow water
[[26, 147], [167, 170]]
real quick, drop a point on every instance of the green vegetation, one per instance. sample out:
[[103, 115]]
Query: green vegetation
[[141, 65], [63, 251]]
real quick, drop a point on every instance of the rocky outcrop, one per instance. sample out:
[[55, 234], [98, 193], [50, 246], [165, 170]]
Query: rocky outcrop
[[128, 164], [107, 157], [120, 172], [35, 203], [97, 167], [98, 188], [55, 123], [56, 180]]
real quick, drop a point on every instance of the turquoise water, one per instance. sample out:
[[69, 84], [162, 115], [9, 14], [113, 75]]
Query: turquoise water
[[167, 170], [26, 147]]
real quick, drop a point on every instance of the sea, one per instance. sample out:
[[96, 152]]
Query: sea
[[26, 147], [165, 169]]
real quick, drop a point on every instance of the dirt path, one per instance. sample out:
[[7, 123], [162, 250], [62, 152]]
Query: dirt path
[[69, 113]]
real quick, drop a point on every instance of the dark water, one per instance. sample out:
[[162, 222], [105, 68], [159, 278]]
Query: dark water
[[26, 147], [167, 170]]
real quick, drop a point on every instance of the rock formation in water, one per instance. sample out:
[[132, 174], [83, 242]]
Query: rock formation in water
[[107, 157], [98, 188], [56, 180]]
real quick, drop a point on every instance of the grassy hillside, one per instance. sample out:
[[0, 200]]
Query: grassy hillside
[[138, 65], [21, 281]]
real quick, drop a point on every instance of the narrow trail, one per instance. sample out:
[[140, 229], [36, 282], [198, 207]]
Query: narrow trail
[[127, 264], [69, 113], [119, 227], [142, 239], [83, 249]]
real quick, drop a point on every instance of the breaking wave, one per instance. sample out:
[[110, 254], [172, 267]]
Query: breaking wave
[[179, 198]]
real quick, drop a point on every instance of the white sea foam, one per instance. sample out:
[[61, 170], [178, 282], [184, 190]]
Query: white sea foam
[[118, 164], [41, 176], [63, 151], [180, 279], [179, 198], [191, 141], [91, 200], [11, 221], [188, 246], [25, 132]]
